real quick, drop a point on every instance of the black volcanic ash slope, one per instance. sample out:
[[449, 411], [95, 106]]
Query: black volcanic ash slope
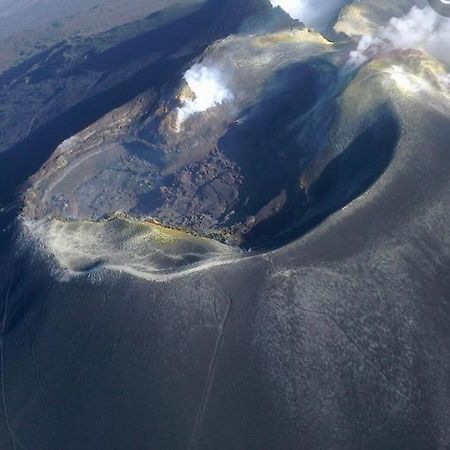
[[123, 333]]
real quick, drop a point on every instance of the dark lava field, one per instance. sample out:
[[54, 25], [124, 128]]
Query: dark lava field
[[224, 225]]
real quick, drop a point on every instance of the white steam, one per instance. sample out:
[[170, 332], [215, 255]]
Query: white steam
[[313, 13], [209, 89], [295, 8], [421, 29]]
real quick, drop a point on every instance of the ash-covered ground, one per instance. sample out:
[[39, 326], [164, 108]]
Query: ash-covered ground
[[225, 226]]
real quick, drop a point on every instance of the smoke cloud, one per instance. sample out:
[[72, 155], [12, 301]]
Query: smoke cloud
[[314, 13], [209, 89], [421, 29]]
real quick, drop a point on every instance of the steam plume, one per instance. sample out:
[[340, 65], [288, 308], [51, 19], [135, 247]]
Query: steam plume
[[313, 13], [421, 29], [209, 90]]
